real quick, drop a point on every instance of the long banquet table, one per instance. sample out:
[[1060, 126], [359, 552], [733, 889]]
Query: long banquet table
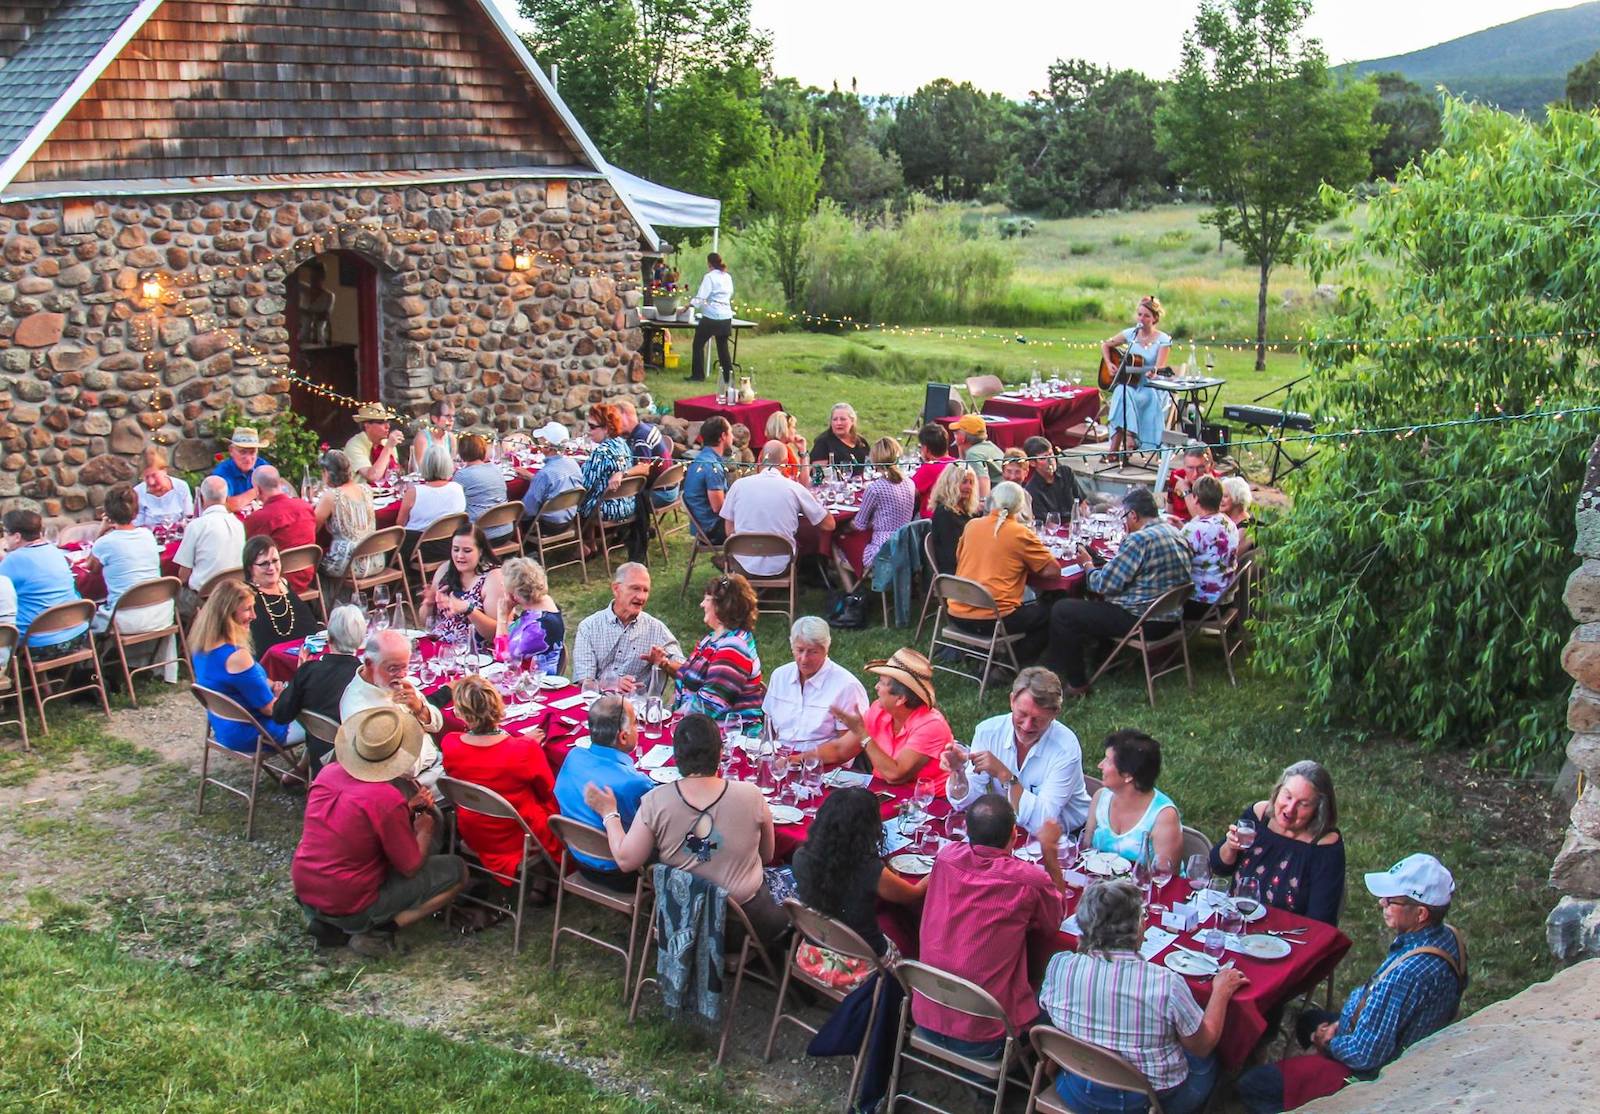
[[1057, 412]]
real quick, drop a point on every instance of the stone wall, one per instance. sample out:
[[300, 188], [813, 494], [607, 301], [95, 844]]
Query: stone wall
[[1573, 927], [90, 369]]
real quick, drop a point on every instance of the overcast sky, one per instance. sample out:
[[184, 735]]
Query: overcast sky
[[893, 46]]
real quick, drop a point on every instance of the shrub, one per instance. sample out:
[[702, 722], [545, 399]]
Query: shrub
[[1080, 248], [293, 448]]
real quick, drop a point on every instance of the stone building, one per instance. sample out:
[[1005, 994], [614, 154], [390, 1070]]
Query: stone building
[[281, 203]]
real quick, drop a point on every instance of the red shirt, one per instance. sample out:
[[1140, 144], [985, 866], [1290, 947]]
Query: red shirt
[[517, 769], [1177, 505], [926, 475], [355, 833], [983, 894], [290, 522]]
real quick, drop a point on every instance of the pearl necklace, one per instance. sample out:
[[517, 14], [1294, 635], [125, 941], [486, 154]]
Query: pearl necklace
[[272, 617]]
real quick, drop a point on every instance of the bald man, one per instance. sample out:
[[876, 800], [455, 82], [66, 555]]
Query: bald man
[[284, 517]]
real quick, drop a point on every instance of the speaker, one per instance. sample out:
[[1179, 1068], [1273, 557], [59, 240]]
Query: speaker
[[936, 402], [1218, 437]]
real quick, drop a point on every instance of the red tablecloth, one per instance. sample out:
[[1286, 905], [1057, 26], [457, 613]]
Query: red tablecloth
[[1273, 982], [1007, 433], [1056, 415], [92, 585], [754, 415]]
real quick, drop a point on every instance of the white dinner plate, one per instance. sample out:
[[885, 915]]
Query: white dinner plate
[[909, 863], [661, 775], [1104, 864], [1030, 852], [553, 682], [788, 814], [1259, 947], [1197, 964]]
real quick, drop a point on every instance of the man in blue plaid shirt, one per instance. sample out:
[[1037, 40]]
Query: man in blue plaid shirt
[[1416, 991], [1154, 559]]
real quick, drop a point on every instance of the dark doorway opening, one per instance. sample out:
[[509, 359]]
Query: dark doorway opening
[[331, 311]]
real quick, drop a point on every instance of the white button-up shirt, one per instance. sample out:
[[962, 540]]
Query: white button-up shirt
[[1051, 776], [361, 694], [798, 711], [212, 543]]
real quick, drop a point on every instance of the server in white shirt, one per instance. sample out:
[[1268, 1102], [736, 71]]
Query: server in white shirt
[[714, 299], [802, 693], [1026, 755]]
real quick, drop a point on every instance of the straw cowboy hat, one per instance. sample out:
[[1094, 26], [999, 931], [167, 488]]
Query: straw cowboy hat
[[377, 744], [373, 412], [245, 437], [911, 669]]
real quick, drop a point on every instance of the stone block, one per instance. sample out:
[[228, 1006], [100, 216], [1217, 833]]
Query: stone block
[[206, 345], [127, 437], [1582, 595], [1581, 655], [1576, 870], [95, 424], [32, 390], [1573, 930], [39, 330]]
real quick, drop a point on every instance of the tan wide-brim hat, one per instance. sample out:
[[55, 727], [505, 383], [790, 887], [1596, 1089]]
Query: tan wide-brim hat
[[377, 744], [911, 669], [246, 437], [373, 412]]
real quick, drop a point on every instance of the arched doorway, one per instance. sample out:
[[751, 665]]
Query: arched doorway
[[331, 311]]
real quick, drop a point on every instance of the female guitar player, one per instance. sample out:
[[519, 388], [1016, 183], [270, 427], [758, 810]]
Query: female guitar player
[[1138, 412]]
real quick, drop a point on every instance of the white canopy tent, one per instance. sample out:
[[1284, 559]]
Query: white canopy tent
[[662, 205]]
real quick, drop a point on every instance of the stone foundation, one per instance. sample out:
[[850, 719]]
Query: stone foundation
[[1573, 928], [91, 370]]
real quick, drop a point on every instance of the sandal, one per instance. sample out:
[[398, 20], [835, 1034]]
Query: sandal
[[476, 918]]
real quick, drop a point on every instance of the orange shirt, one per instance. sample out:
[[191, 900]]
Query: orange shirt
[[1000, 561]]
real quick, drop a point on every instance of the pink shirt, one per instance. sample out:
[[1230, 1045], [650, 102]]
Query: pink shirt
[[926, 475], [926, 732], [356, 832], [983, 894]]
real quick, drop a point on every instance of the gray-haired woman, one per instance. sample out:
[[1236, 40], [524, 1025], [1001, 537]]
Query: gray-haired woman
[[1290, 843], [319, 683], [345, 509], [1107, 995]]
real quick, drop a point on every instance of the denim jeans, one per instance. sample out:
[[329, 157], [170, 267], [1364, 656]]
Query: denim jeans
[[1186, 1098], [977, 1050]]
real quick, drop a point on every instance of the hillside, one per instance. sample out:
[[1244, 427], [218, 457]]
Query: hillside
[[1519, 66]]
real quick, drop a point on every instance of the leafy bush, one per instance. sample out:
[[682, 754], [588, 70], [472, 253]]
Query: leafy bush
[[1080, 248], [293, 447], [1173, 240], [1417, 581]]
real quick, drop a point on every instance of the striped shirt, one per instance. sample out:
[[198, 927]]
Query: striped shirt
[[1120, 1002], [607, 648], [1152, 561], [1411, 999], [722, 675]]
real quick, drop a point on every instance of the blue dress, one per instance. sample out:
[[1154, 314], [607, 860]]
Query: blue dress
[[250, 688], [1141, 410], [1128, 844]]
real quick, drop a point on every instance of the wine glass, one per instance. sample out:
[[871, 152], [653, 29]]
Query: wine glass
[[1162, 869], [1247, 899], [811, 769], [1197, 869], [955, 826], [1232, 921], [1052, 523], [780, 770], [922, 795]]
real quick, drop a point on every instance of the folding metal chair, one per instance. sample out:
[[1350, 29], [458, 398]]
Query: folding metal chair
[[701, 546], [227, 708], [469, 797], [13, 673], [592, 842], [982, 647], [546, 538], [319, 728], [384, 544], [1195, 842], [1225, 618], [63, 616], [956, 993], [1137, 639], [736, 965], [631, 486], [932, 572], [299, 559], [503, 514], [739, 547], [669, 478], [1085, 1060], [827, 932], [442, 529], [149, 593]]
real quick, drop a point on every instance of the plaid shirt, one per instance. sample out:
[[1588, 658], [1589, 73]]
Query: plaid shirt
[[1153, 560], [606, 648], [1410, 1000], [1120, 1002]]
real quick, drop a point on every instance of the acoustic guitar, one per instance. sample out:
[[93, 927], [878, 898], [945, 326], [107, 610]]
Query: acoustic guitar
[[1127, 370]]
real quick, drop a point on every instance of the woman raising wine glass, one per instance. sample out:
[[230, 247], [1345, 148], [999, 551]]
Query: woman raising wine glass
[[1138, 411]]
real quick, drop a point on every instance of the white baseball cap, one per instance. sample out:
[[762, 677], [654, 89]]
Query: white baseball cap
[[1422, 878]]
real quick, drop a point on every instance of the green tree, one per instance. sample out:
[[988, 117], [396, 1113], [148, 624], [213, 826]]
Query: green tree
[[783, 192], [1254, 121], [669, 89], [1409, 117], [1084, 142], [951, 139], [1583, 84], [1417, 581]]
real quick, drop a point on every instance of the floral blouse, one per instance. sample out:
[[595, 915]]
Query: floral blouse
[[1214, 541], [611, 456]]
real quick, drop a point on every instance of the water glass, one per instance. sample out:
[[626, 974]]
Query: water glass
[[653, 715], [955, 827], [1162, 869], [1232, 921], [1214, 942], [1246, 832]]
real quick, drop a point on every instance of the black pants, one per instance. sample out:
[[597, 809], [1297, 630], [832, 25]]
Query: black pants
[[1078, 626], [1031, 620], [707, 328]]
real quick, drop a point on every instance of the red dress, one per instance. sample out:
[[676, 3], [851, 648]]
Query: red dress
[[516, 769]]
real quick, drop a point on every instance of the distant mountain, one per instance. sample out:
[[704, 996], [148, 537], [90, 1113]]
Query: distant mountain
[[1519, 66]]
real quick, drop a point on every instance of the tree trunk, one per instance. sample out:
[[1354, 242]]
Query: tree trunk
[[1261, 317]]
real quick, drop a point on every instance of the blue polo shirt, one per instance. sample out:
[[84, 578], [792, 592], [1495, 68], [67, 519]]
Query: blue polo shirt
[[609, 769], [238, 481], [42, 578], [706, 473]]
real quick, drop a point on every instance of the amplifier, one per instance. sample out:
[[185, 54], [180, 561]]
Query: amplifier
[[1217, 436]]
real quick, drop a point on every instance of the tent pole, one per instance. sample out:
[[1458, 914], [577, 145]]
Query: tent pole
[[715, 233]]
